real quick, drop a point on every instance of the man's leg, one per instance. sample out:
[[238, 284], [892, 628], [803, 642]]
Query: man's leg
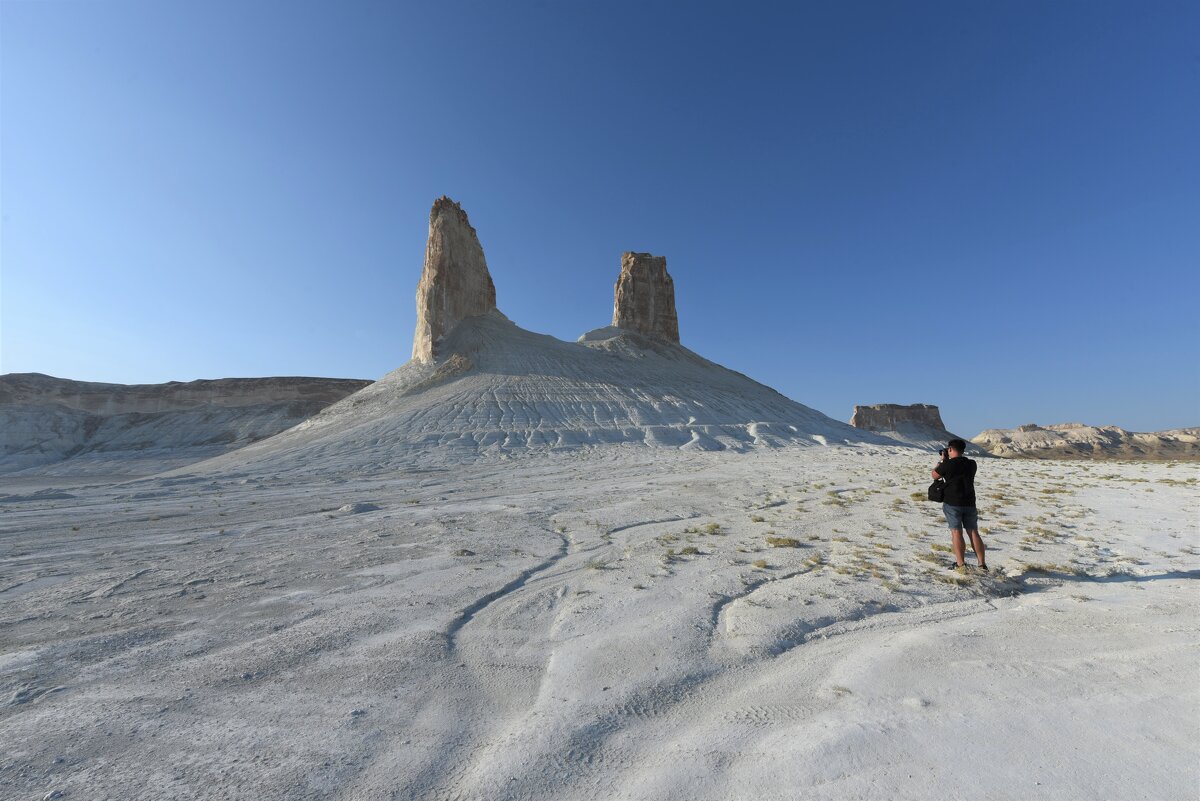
[[978, 547], [960, 547]]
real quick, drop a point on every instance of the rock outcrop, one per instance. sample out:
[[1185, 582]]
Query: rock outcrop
[[891, 416], [455, 283], [917, 424], [1079, 441], [644, 297]]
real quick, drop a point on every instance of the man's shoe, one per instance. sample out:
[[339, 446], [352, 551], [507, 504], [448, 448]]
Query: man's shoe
[[984, 568]]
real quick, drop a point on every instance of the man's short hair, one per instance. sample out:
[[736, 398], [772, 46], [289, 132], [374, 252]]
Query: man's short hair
[[957, 445]]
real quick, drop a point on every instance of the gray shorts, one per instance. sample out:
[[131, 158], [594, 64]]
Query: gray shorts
[[961, 516]]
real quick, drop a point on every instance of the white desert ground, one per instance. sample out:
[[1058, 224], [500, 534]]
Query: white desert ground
[[605, 624]]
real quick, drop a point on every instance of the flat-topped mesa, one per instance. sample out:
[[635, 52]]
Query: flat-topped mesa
[[890, 416], [455, 283], [644, 297]]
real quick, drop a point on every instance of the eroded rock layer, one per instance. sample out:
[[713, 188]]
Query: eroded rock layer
[[890, 416], [455, 283], [917, 424], [645, 297]]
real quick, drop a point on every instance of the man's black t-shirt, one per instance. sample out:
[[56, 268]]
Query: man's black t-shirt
[[959, 473]]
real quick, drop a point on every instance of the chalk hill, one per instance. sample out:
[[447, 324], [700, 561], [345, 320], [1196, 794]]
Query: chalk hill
[[487, 385]]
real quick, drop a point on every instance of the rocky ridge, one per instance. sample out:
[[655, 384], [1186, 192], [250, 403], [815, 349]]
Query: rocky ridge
[[57, 425], [1080, 441]]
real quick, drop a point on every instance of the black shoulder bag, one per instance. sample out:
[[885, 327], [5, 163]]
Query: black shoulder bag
[[937, 490]]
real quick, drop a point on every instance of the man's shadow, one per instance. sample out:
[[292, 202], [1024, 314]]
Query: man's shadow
[[1063, 577]]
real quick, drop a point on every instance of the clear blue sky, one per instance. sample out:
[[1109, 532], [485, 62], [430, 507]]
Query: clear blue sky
[[990, 206]]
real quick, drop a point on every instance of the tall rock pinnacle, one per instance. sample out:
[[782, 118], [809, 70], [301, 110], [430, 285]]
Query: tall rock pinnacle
[[455, 283], [645, 297]]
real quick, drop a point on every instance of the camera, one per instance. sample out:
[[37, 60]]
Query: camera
[[942, 453]]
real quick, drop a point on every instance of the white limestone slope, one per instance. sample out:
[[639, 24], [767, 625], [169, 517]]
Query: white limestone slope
[[499, 388]]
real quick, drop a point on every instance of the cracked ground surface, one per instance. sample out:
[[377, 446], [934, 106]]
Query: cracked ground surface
[[607, 624]]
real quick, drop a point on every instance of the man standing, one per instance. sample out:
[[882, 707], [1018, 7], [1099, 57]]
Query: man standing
[[959, 501]]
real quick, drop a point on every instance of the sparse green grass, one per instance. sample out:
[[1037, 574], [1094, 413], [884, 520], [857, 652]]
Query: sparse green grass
[[783, 542], [1050, 567], [833, 498], [951, 577]]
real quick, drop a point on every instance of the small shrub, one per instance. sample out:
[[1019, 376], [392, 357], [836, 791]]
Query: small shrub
[[712, 528], [783, 542], [761, 564], [757, 519], [690, 550]]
